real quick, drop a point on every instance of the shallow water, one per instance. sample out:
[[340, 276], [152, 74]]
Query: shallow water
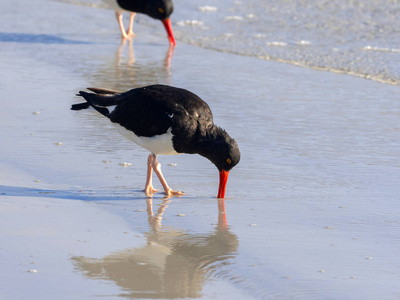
[[355, 37], [352, 37], [311, 210]]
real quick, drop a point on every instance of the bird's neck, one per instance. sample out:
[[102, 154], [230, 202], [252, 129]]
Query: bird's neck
[[208, 145], [198, 141]]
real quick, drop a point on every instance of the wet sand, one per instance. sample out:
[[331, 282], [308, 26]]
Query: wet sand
[[311, 210]]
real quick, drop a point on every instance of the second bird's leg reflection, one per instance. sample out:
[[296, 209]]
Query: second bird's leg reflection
[[126, 71], [131, 53]]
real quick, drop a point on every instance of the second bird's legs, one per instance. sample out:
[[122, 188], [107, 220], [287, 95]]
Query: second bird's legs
[[129, 33]]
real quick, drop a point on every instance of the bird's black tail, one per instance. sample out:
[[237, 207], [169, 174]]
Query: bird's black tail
[[99, 100], [80, 106]]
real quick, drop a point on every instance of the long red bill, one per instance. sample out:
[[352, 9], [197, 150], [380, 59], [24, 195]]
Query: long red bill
[[223, 179], [168, 28]]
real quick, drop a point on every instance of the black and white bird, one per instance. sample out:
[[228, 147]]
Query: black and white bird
[[156, 9], [166, 120]]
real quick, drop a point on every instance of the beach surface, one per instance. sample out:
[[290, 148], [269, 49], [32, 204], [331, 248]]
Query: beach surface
[[311, 210]]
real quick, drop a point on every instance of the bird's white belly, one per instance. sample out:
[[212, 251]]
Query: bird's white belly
[[159, 144]]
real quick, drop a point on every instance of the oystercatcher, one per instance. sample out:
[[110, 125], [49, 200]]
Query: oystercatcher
[[166, 120], [157, 9]]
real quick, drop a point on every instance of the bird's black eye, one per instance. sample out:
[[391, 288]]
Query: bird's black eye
[[228, 161], [160, 10]]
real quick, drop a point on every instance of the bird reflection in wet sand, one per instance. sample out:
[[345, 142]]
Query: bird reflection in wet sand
[[119, 54], [124, 70], [173, 263]]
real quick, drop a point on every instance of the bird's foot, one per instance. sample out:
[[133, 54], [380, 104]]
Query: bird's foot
[[130, 34], [149, 191], [127, 35], [170, 193]]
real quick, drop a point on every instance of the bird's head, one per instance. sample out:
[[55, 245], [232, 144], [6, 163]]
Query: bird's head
[[226, 156], [161, 10]]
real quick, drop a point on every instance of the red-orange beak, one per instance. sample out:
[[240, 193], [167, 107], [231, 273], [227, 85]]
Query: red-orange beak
[[223, 179], [168, 28]]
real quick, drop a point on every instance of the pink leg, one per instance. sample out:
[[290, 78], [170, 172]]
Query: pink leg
[[124, 35], [157, 169], [131, 19], [148, 188]]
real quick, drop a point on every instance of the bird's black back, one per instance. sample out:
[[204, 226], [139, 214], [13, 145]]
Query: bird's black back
[[157, 9], [152, 110]]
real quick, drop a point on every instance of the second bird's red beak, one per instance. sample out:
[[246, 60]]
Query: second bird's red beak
[[223, 179], [168, 28]]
